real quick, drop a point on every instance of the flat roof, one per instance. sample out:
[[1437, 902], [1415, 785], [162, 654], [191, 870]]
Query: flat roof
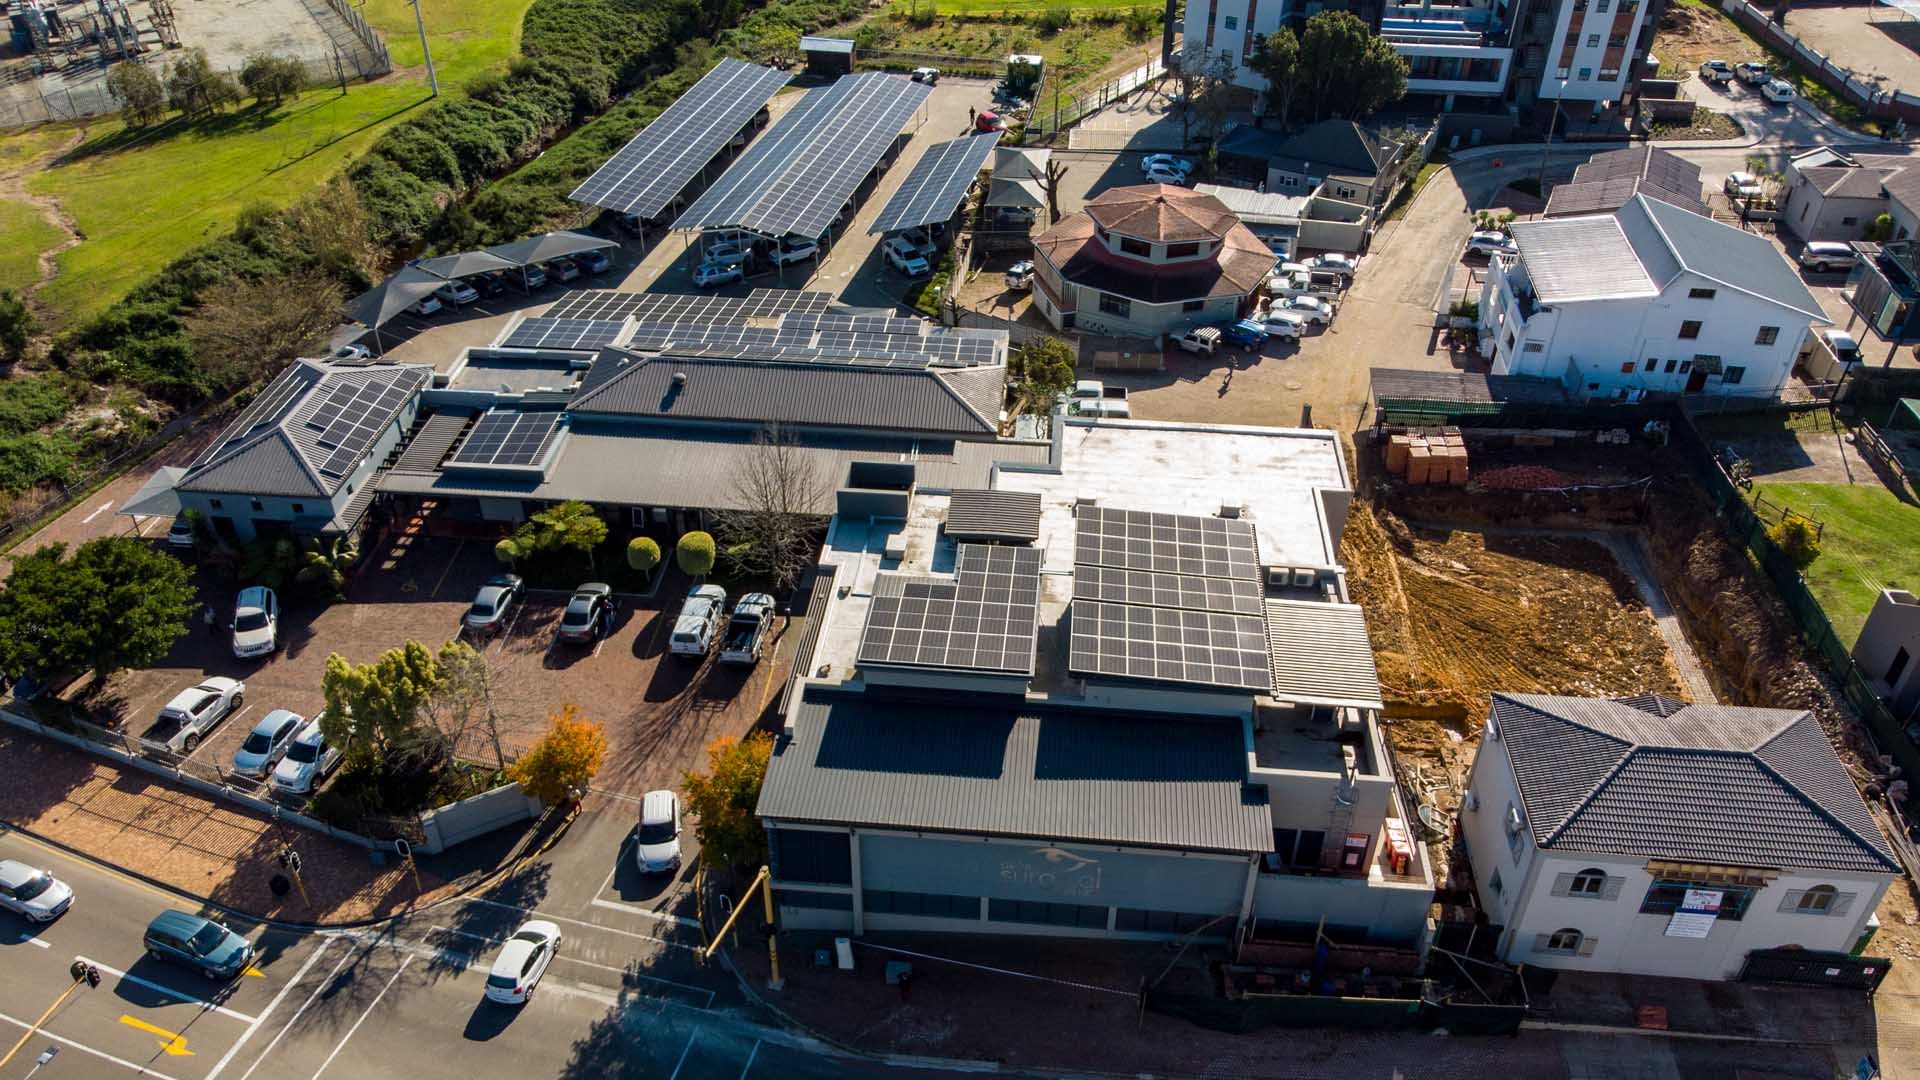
[[514, 374]]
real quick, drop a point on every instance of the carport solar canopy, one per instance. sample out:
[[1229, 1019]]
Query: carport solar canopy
[[645, 175], [939, 180], [802, 170]]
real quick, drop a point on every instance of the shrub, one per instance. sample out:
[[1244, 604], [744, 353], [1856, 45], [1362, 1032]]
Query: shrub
[[565, 759], [1140, 21], [1053, 20], [16, 326], [643, 554], [29, 402], [32, 459], [142, 97], [1796, 537], [195, 89], [272, 79], [695, 554]]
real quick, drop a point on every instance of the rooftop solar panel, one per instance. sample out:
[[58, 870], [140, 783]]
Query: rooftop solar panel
[[1146, 588], [569, 335], [605, 304], [1166, 543], [798, 175], [659, 162], [1206, 648], [509, 437], [981, 619], [939, 180], [357, 422]]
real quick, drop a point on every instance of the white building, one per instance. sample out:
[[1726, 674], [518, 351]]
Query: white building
[[1646, 299], [1648, 836]]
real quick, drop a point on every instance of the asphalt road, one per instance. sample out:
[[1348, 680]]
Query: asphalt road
[[625, 998]]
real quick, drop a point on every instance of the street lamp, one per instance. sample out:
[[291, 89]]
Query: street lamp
[[1540, 181], [433, 80]]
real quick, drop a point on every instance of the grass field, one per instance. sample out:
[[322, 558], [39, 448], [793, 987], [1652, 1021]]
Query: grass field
[[28, 234], [1869, 544], [1076, 56], [143, 198]]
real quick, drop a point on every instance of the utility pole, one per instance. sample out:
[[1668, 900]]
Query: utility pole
[[433, 80], [1540, 180]]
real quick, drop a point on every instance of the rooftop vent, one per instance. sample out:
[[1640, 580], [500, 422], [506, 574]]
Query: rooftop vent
[[679, 378], [1232, 512]]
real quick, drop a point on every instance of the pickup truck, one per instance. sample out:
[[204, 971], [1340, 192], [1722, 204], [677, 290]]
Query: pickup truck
[[1091, 397], [698, 622], [192, 713], [747, 629]]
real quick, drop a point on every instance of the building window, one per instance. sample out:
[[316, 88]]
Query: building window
[[1585, 74], [1626, 368], [1116, 305], [1593, 41], [933, 905], [822, 901], [1589, 882], [1561, 73], [1617, 41], [1815, 901], [1130, 246], [1690, 329], [1652, 361], [1181, 251], [1158, 922], [1608, 74], [1671, 364], [1194, 305], [1343, 192], [1665, 898], [1767, 335], [1534, 346], [1509, 341], [1233, 22], [1601, 7], [1496, 884], [823, 858], [215, 503], [1686, 366], [1566, 940], [1849, 221], [299, 508], [1289, 181], [256, 504], [1732, 375], [1701, 294], [1085, 916]]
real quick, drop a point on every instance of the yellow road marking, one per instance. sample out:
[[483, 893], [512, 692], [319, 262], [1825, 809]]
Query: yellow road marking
[[254, 971], [174, 1044]]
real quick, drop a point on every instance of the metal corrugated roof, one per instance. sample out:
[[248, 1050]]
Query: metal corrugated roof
[[1734, 257], [980, 514], [1464, 387], [1064, 774], [1584, 258], [431, 443], [1320, 654], [1696, 783]]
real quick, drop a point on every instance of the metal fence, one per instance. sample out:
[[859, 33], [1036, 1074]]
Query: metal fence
[[1863, 93], [1779, 512], [948, 63], [1055, 110]]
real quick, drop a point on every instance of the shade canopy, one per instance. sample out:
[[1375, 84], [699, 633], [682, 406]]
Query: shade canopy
[[393, 296], [553, 245], [156, 497], [465, 264], [1002, 192]]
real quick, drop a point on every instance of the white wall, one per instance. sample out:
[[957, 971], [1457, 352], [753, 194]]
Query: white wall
[[1592, 89], [1392, 912]]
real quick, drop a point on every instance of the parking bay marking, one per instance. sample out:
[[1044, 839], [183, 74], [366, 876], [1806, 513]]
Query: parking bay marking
[[425, 948], [85, 1049], [177, 995], [588, 925]]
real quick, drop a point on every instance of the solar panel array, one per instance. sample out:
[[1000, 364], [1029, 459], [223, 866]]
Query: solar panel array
[[509, 437], [799, 174], [606, 304], [351, 419], [982, 619], [659, 162], [939, 180], [1168, 597], [572, 335]]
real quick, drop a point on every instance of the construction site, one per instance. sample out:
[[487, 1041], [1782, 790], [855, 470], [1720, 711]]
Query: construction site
[[54, 60]]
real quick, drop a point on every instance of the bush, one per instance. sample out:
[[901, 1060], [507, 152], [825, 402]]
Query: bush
[[142, 98], [1053, 20], [29, 460], [643, 554], [1140, 21], [1796, 537], [32, 401], [272, 79], [16, 326], [195, 89], [695, 554]]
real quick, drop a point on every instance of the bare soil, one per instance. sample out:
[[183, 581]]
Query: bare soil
[[1689, 35]]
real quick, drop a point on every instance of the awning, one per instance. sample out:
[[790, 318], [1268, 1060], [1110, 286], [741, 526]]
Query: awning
[[1016, 193], [156, 497], [553, 245], [393, 296], [465, 264]]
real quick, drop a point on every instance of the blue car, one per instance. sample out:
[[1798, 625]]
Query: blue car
[[1246, 333], [176, 937]]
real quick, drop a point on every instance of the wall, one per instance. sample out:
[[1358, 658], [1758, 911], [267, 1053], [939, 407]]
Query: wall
[[1149, 320], [1893, 624], [1393, 913], [1812, 216], [477, 816]]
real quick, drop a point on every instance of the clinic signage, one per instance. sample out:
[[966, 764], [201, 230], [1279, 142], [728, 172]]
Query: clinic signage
[[1696, 914]]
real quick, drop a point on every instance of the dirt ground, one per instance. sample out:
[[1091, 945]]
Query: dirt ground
[[1690, 35]]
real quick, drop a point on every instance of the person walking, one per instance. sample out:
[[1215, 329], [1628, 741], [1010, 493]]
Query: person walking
[[208, 617]]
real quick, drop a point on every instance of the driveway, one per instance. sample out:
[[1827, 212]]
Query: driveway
[[1795, 124]]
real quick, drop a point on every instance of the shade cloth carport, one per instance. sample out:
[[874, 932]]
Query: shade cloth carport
[[381, 303], [156, 497], [535, 249], [465, 264]]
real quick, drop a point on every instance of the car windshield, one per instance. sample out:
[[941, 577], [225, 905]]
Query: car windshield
[[34, 886], [257, 743], [208, 939], [250, 620], [504, 982], [304, 753], [481, 608], [657, 833]]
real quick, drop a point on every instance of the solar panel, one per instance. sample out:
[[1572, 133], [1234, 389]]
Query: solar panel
[[1207, 648], [509, 437], [265, 410], [1149, 589], [364, 412], [659, 162], [1165, 543], [796, 177], [982, 619], [573, 335], [605, 304], [939, 180]]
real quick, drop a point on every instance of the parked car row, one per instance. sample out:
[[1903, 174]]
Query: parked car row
[[1753, 73], [464, 291]]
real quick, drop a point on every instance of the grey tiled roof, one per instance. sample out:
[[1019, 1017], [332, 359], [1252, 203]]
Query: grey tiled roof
[[1608, 181], [1067, 774], [1732, 256], [1661, 779]]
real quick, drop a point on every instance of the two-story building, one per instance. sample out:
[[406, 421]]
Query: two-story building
[[1147, 260], [1646, 299], [1647, 836]]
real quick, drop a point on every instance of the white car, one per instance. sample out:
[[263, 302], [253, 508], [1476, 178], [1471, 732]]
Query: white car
[[522, 960], [352, 352], [723, 250], [1491, 244], [1717, 71], [1283, 324], [1819, 256], [1334, 264], [1162, 175], [456, 292], [1778, 91], [1020, 276], [698, 623], [193, 712], [1752, 72], [1166, 163], [256, 622], [309, 760], [1741, 185], [793, 251], [1311, 308], [901, 256], [34, 895], [712, 275], [428, 305], [656, 848], [266, 743], [925, 75]]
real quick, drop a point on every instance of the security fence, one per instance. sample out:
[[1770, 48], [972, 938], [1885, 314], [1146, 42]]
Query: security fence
[[1055, 110], [1852, 87]]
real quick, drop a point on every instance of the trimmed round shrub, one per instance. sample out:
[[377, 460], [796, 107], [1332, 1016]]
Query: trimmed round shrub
[[695, 554]]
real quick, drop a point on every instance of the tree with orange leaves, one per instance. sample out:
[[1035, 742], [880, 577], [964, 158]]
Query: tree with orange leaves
[[561, 765], [724, 799]]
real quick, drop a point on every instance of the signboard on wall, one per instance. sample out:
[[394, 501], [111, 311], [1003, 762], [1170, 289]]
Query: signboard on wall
[[1696, 915]]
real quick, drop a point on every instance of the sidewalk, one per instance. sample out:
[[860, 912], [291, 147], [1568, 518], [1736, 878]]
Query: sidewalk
[[213, 850]]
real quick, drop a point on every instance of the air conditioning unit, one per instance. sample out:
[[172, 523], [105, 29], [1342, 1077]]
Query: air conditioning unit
[[1303, 578], [1229, 512], [1279, 577]]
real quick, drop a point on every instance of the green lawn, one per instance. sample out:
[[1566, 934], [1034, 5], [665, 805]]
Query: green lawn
[[1869, 544], [1075, 56], [142, 199], [28, 234], [1028, 7]]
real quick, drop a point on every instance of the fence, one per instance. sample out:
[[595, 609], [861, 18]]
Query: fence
[[948, 63], [1874, 447], [1055, 111], [1862, 93], [1779, 512]]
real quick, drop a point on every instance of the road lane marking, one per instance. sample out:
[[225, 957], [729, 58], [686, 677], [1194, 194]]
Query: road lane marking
[[85, 1049], [174, 1043], [313, 957], [254, 971], [748, 1067], [588, 925], [684, 1051], [103, 508], [677, 920], [558, 956], [342, 1044], [177, 995], [294, 1019]]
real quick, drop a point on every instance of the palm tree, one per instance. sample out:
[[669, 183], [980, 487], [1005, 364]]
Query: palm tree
[[325, 566]]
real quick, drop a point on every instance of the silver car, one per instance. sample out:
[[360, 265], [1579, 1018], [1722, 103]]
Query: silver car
[[309, 760], [33, 894], [265, 744], [493, 603]]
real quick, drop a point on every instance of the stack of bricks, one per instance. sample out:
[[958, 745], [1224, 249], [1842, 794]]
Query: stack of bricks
[[1429, 456]]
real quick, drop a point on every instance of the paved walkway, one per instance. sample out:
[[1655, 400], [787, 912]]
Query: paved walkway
[[1631, 552]]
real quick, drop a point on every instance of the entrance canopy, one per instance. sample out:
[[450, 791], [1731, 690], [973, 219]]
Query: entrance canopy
[[156, 497]]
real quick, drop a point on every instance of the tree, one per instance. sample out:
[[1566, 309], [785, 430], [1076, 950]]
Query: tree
[[507, 550], [782, 496], [245, 329], [463, 696], [570, 526], [1216, 99], [724, 798], [1881, 230], [1042, 369], [643, 554], [332, 225], [695, 554], [325, 565], [373, 710], [1795, 536], [1056, 171], [117, 603], [564, 761], [17, 325], [195, 89], [1346, 69], [1278, 61], [272, 79], [142, 97]]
